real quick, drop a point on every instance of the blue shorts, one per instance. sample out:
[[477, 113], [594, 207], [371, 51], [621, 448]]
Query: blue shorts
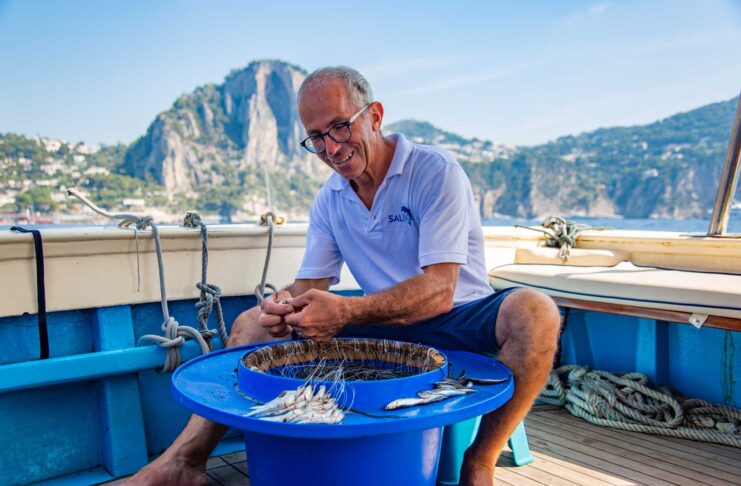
[[467, 327]]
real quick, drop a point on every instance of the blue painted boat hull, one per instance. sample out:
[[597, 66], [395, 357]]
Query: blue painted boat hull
[[698, 363], [98, 409]]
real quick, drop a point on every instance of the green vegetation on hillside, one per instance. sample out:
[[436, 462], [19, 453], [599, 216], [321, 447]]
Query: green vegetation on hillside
[[668, 168], [36, 177]]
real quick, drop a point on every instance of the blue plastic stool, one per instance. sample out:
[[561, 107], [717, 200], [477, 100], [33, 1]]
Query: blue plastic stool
[[458, 437]]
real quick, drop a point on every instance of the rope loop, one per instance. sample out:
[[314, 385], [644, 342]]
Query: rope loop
[[268, 219], [260, 291]]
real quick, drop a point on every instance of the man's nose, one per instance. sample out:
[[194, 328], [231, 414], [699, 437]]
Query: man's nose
[[331, 147]]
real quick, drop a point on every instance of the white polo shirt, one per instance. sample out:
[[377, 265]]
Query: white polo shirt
[[423, 213]]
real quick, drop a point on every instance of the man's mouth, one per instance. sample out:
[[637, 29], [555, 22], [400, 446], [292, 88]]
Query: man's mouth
[[343, 161]]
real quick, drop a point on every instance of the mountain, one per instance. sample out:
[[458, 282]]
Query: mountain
[[471, 150], [241, 136], [669, 168], [232, 149]]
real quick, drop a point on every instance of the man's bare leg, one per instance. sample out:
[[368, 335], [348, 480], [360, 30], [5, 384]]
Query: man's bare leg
[[184, 462], [527, 330]]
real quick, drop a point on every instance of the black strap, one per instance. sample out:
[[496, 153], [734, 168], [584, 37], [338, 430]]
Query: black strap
[[40, 289], [564, 313]]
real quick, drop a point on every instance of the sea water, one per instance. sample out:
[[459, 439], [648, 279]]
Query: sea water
[[690, 225]]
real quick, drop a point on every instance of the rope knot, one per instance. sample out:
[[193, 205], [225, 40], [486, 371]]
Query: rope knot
[[209, 289], [172, 339], [210, 295], [208, 334], [562, 234], [192, 220], [273, 218], [138, 222]]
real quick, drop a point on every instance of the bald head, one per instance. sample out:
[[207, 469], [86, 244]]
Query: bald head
[[357, 87]]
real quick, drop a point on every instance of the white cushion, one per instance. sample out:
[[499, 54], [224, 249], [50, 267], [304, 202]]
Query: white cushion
[[624, 283]]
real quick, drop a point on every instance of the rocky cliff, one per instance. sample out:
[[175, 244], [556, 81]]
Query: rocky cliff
[[669, 168], [243, 133]]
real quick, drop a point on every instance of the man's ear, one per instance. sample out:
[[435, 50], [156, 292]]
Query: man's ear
[[376, 115]]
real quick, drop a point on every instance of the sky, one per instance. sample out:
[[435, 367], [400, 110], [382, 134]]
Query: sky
[[512, 71]]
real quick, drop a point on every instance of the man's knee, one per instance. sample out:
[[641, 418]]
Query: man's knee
[[246, 329], [528, 316]]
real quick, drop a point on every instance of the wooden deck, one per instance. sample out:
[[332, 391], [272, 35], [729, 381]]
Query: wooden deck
[[570, 451]]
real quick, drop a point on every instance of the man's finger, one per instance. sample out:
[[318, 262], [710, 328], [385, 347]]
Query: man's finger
[[300, 301], [295, 319], [280, 330], [269, 307], [269, 320]]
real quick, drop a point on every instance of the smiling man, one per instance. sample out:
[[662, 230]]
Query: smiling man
[[403, 218]]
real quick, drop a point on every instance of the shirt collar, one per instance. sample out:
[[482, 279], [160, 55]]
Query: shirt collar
[[401, 154]]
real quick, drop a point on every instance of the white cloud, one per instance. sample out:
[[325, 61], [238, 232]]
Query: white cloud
[[460, 80], [395, 69], [593, 11], [598, 9]]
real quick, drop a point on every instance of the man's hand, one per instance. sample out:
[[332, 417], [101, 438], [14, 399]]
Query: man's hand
[[320, 315], [274, 313]]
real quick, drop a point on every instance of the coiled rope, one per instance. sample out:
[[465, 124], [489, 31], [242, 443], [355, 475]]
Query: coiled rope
[[270, 220], [210, 296], [626, 401], [562, 233], [174, 334]]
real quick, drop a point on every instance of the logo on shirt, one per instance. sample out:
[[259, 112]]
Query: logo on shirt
[[405, 216]]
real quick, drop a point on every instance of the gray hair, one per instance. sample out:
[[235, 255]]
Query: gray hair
[[357, 86]]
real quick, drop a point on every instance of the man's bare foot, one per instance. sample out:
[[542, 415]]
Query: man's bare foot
[[480, 476], [474, 473], [170, 470]]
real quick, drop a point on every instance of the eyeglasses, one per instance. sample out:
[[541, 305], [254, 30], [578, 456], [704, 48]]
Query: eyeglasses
[[340, 133]]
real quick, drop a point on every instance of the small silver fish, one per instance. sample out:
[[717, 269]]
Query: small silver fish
[[300, 406], [445, 392], [284, 401], [486, 381], [412, 402], [277, 418], [451, 383], [329, 417]]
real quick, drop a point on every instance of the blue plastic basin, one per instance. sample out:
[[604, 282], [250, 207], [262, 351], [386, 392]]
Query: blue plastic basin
[[370, 447]]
